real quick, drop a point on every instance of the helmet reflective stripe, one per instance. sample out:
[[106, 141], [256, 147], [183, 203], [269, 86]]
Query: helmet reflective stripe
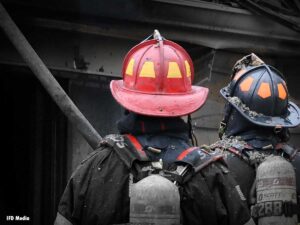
[[173, 70], [129, 69], [264, 90], [246, 84], [282, 93], [147, 70]]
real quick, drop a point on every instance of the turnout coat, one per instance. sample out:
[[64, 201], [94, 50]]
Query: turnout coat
[[97, 192]]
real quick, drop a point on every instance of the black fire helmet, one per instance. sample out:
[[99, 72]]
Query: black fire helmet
[[259, 92]]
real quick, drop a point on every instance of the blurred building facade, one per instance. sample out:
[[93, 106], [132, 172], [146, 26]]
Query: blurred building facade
[[84, 42]]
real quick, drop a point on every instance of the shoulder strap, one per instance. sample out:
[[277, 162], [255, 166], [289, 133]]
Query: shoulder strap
[[233, 145], [198, 158], [126, 147], [289, 150], [135, 145], [239, 149]]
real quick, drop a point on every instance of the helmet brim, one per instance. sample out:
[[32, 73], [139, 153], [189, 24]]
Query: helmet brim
[[166, 105], [292, 118]]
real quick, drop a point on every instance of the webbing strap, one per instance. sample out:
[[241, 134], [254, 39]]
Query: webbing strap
[[138, 147], [198, 158], [126, 147], [223, 124]]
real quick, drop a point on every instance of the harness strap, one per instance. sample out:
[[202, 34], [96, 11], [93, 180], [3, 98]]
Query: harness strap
[[207, 162], [185, 153], [126, 147], [289, 150], [223, 123], [137, 146], [198, 158]]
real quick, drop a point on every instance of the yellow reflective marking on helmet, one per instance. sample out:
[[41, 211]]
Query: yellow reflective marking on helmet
[[264, 90], [174, 71], [246, 84], [281, 91], [129, 69], [148, 70], [187, 68]]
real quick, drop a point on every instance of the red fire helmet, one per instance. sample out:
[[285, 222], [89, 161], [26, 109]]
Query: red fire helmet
[[157, 80]]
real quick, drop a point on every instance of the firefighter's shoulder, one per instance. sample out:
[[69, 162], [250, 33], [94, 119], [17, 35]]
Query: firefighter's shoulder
[[199, 158]]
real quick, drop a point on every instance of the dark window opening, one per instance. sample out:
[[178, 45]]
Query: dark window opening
[[33, 149]]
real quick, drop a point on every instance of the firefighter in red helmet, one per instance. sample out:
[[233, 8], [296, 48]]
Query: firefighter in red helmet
[[151, 173], [253, 139]]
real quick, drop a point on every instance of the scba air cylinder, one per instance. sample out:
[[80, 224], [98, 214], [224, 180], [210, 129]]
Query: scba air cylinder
[[154, 200], [276, 192]]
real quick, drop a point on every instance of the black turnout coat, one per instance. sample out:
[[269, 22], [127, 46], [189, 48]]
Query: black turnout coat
[[97, 192]]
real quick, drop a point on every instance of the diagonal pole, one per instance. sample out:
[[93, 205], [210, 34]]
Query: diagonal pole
[[47, 79]]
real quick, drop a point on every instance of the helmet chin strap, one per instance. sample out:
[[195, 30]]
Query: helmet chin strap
[[223, 123], [191, 131]]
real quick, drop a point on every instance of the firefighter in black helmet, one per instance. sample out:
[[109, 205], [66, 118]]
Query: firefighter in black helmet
[[255, 126]]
